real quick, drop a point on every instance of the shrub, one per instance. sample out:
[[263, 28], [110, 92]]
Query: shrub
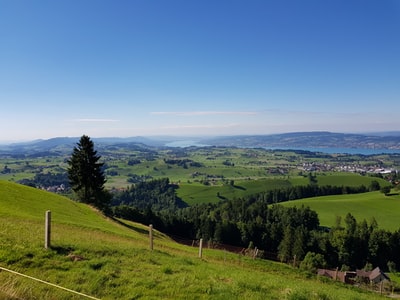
[[312, 261]]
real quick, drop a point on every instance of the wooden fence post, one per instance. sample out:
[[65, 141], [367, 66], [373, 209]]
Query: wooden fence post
[[255, 252], [47, 233], [151, 236], [201, 248]]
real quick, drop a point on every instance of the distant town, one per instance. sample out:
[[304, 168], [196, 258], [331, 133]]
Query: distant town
[[354, 168]]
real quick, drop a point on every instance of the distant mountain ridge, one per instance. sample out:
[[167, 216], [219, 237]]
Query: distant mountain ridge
[[66, 144], [314, 139], [293, 140]]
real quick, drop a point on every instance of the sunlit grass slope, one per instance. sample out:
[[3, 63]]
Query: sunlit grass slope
[[385, 209], [194, 193], [31, 204], [102, 258], [340, 179]]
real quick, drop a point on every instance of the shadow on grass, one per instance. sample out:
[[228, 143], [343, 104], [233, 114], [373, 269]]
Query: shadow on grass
[[239, 187], [221, 197], [139, 230], [62, 250], [392, 194]]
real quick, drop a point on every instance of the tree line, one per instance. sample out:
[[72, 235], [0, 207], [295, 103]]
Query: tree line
[[47, 180], [291, 233]]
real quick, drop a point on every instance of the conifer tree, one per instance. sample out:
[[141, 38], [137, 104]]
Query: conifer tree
[[285, 252], [86, 176]]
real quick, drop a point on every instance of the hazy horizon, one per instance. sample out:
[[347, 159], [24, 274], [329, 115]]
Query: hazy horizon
[[209, 68], [196, 137]]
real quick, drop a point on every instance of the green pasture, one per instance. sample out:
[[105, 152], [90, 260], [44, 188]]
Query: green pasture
[[106, 259], [193, 193], [31, 204], [27, 168], [338, 179], [245, 164], [385, 209], [348, 179]]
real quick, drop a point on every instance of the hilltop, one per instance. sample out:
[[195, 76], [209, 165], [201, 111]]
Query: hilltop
[[110, 259]]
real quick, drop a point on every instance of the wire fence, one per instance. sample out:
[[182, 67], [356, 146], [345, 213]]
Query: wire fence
[[253, 252], [48, 283]]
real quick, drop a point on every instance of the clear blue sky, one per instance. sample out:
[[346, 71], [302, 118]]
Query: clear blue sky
[[143, 67]]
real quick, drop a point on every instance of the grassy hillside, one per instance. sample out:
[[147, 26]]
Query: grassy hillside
[[109, 260], [385, 209], [193, 193], [340, 179]]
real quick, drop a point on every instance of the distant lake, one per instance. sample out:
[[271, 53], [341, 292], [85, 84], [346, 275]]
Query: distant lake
[[185, 143], [340, 150], [193, 143]]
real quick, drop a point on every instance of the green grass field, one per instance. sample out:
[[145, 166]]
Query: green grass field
[[115, 261], [385, 209], [193, 193], [339, 179]]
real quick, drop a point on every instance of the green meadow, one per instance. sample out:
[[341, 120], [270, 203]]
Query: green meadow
[[385, 209], [193, 193], [111, 259], [339, 179]]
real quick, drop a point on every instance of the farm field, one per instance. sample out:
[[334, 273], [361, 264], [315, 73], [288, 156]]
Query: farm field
[[385, 209], [193, 193], [105, 259]]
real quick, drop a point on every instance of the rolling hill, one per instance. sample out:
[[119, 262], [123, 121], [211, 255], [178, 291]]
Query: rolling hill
[[111, 259], [385, 209], [314, 139]]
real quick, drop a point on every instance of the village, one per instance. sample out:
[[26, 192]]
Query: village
[[353, 168]]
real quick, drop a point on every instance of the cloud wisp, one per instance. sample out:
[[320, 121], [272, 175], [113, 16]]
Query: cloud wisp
[[94, 120], [202, 113], [200, 126]]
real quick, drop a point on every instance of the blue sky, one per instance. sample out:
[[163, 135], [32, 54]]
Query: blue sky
[[139, 67]]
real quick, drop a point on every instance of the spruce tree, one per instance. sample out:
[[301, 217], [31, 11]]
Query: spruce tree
[[86, 176]]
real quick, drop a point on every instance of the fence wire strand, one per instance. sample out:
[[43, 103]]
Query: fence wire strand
[[48, 283]]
